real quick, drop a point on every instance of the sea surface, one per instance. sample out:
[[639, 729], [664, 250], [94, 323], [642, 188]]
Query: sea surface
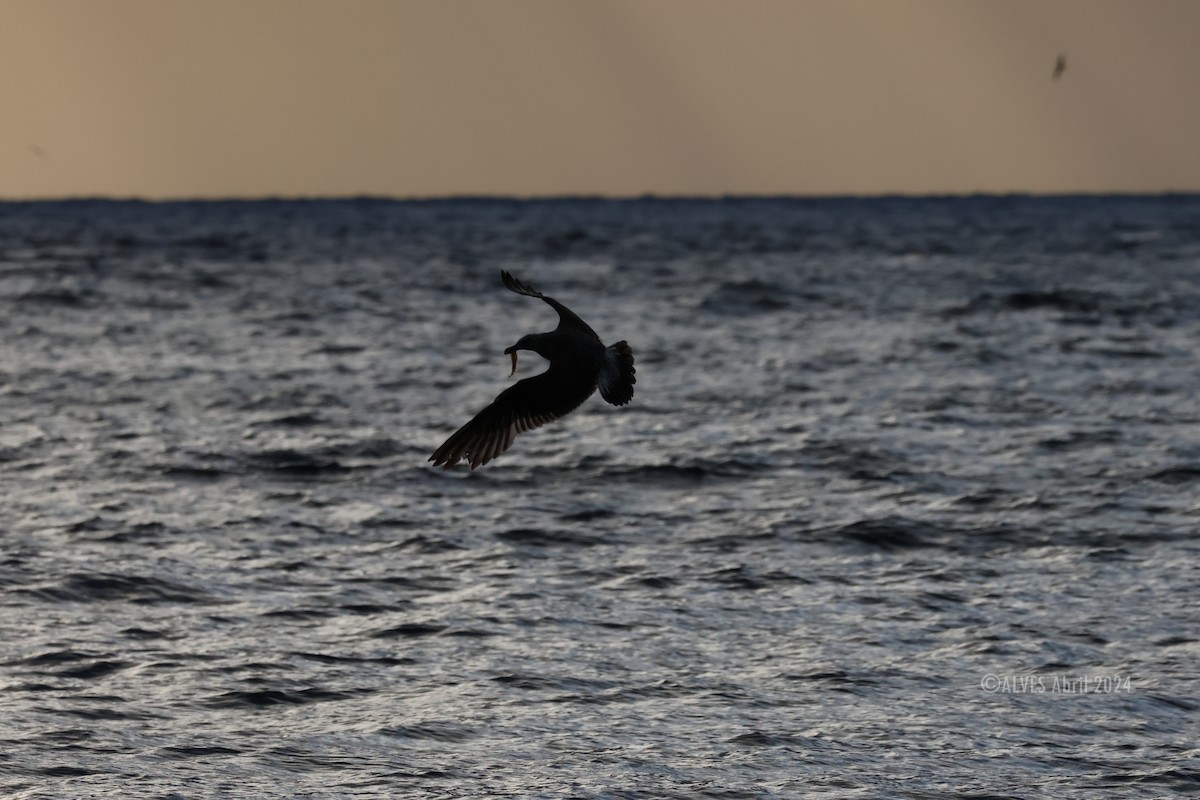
[[905, 505]]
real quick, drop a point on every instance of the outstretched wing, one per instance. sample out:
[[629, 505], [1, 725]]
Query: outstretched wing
[[566, 317], [527, 404]]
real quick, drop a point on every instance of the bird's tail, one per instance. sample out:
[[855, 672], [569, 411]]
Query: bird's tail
[[617, 377]]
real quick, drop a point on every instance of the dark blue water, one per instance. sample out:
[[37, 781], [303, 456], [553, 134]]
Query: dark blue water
[[905, 504]]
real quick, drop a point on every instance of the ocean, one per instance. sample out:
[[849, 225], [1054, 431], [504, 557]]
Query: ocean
[[905, 504]]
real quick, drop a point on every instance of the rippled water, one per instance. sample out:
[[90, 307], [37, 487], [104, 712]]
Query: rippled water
[[905, 504]]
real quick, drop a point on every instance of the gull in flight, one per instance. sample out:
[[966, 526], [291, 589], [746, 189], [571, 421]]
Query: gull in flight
[[579, 364]]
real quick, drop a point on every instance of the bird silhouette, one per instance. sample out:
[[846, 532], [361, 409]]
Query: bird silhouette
[[1060, 66], [579, 364]]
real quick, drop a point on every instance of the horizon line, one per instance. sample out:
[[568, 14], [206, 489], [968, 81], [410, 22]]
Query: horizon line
[[590, 197]]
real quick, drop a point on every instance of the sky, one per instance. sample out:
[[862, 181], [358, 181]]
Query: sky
[[164, 99]]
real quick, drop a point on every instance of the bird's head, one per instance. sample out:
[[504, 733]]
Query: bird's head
[[530, 341]]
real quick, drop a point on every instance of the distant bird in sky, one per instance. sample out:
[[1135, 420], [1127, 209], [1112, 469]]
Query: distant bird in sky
[[1060, 66], [579, 364]]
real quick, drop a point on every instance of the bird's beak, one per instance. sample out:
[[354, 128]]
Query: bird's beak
[[512, 351]]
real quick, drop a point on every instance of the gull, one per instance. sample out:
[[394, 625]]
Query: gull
[[579, 364]]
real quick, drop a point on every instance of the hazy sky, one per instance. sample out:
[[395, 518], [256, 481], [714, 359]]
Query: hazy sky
[[204, 98]]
